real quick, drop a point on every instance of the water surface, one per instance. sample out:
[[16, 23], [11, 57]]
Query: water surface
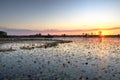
[[82, 59]]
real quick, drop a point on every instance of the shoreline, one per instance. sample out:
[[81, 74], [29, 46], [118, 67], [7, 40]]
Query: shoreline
[[21, 38]]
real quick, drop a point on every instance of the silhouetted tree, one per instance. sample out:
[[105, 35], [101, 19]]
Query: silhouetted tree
[[118, 35], [38, 34], [86, 35], [83, 34], [100, 33], [92, 34], [63, 35], [48, 34], [2, 33]]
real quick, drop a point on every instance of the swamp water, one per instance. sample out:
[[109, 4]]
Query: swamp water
[[82, 59]]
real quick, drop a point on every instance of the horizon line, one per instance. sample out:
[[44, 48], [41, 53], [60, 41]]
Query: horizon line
[[50, 31]]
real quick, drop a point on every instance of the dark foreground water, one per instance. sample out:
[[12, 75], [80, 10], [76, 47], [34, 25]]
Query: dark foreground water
[[83, 59]]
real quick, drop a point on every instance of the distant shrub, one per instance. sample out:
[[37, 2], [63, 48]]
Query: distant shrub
[[2, 33]]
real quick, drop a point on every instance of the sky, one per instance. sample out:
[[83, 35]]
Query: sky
[[24, 17]]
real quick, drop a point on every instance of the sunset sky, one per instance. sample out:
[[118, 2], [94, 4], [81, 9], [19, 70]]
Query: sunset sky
[[23, 17]]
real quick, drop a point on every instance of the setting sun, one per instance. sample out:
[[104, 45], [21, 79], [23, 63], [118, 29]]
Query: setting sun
[[105, 32], [60, 39]]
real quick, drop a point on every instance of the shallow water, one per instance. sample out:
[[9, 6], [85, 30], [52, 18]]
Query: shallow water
[[82, 59]]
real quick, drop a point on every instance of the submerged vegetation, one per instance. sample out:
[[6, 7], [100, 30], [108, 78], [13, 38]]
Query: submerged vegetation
[[45, 45], [5, 50], [61, 59], [48, 58], [32, 46]]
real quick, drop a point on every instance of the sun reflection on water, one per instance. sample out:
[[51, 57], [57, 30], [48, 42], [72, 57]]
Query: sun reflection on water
[[86, 58]]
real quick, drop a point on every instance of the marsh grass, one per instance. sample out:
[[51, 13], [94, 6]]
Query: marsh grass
[[7, 49], [45, 45]]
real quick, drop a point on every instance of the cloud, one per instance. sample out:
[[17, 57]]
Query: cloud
[[17, 31], [51, 31]]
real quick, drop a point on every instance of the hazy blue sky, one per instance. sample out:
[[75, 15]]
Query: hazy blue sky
[[59, 14]]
